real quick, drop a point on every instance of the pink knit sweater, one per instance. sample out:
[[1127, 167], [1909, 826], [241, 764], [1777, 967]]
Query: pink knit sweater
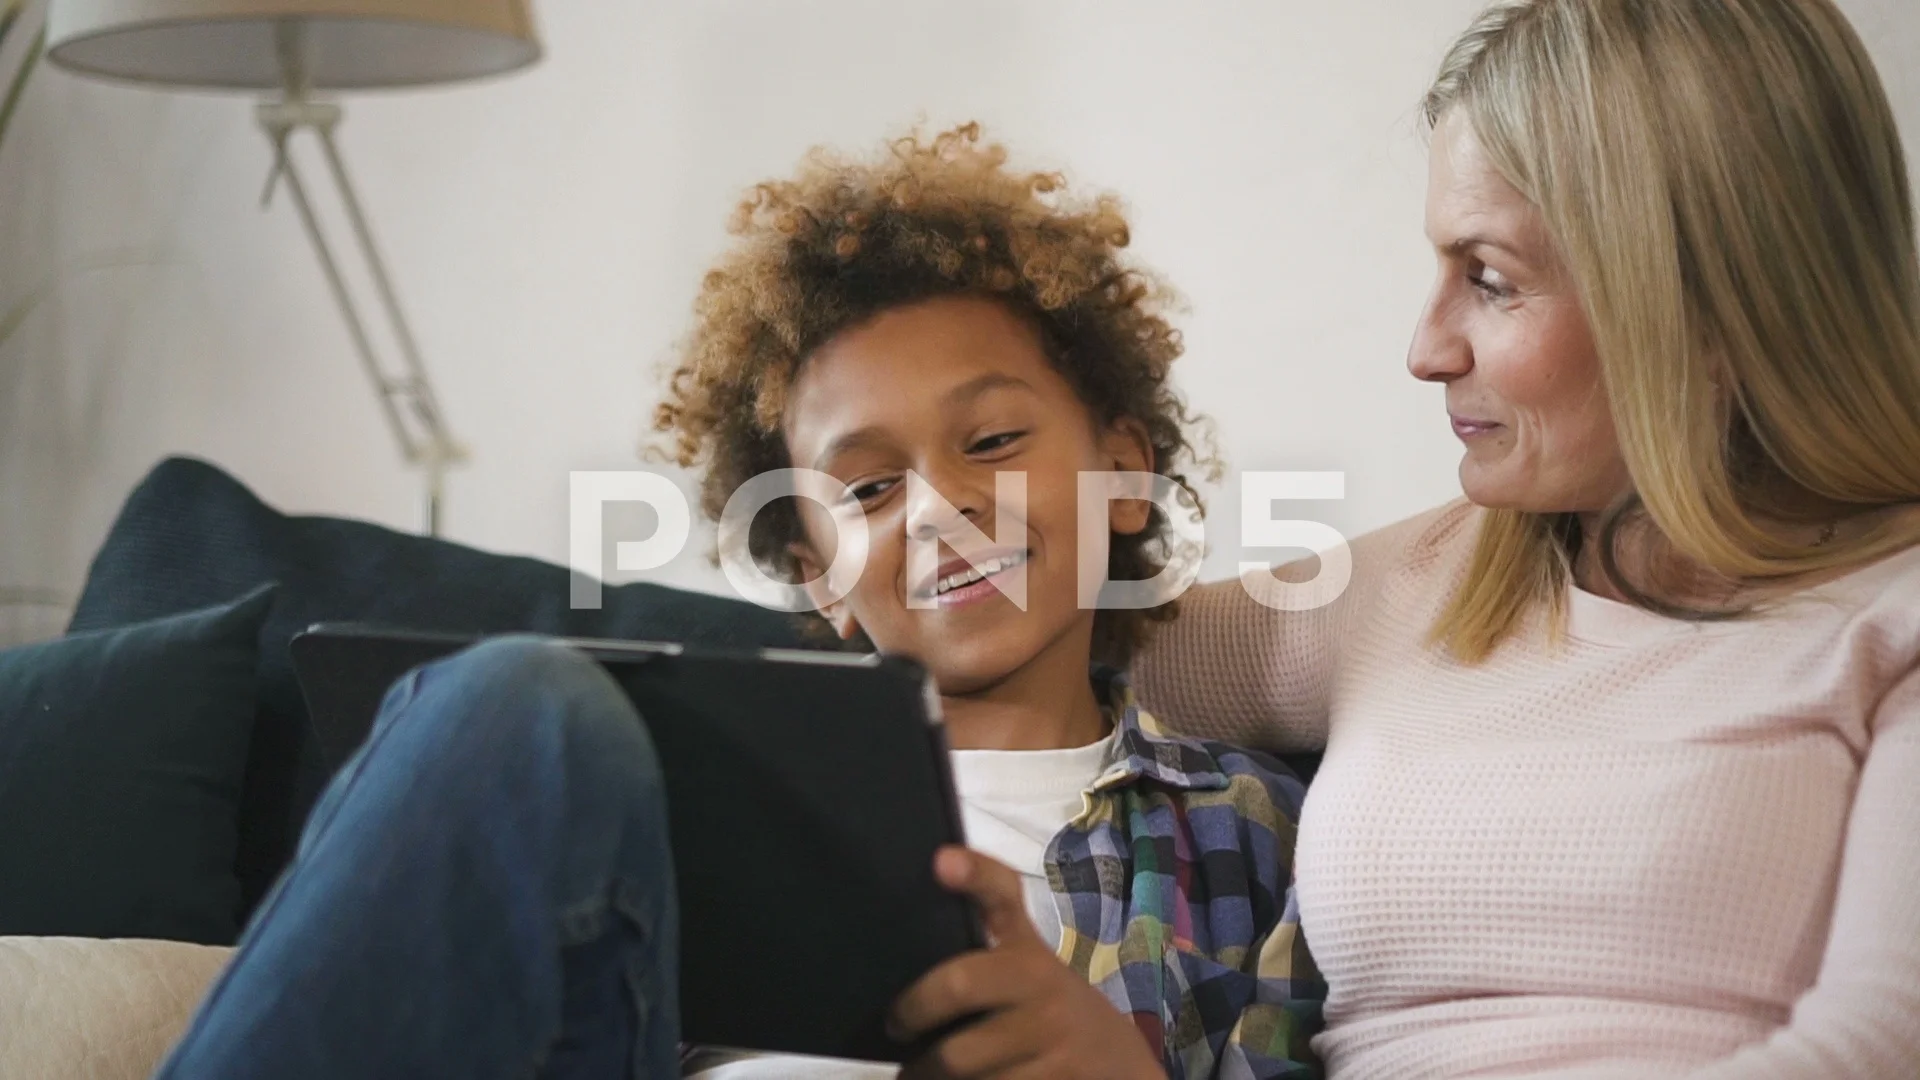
[[1656, 849]]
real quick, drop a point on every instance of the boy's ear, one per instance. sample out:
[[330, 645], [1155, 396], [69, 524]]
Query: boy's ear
[[1127, 447], [839, 614]]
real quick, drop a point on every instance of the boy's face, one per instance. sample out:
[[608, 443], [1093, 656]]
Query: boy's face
[[957, 389]]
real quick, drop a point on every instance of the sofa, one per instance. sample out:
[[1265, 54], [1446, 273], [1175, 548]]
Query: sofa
[[157, 764]]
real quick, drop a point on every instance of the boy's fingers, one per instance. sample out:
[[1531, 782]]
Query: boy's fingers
[[977, 982], [970, 983], [996, 1043], [994, 888]]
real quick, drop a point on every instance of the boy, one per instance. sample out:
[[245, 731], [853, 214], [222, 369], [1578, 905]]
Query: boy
[[938, 317], [485, 889]]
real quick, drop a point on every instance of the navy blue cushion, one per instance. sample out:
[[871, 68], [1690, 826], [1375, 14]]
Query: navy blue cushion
[[190, 535], [122, 758]]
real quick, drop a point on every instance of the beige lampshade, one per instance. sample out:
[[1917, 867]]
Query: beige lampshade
[[342, 44]]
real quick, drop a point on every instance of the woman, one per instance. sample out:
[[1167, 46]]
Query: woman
[[1622, 751]]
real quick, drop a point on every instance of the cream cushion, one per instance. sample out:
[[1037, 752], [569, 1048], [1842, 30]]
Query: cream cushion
[[87, 1009]]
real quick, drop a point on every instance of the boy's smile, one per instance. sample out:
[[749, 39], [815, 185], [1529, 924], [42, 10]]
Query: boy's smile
[[954, 391], [973, 576]]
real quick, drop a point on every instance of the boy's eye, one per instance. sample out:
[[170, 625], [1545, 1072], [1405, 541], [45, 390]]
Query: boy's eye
[[873, 489], [994, 442]]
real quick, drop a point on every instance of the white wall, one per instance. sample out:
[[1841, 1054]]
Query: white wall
[[547, 231]]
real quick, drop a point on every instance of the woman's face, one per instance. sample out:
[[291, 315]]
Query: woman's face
[[1505, 333]]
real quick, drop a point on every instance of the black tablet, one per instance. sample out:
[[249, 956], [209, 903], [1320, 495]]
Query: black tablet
[[806, 795]]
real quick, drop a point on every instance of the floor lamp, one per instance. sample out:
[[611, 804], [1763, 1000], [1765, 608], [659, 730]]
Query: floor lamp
[[290, 49]]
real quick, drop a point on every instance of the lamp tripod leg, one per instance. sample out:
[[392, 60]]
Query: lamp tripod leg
[[407, 401]]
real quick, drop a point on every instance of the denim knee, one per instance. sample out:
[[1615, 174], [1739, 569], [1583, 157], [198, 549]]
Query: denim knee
[[518, 663], [519, 675], [500, 697], [552, 717]]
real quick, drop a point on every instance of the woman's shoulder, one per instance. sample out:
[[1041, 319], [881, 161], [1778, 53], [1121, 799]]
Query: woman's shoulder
[[1430, 533], [1884, 594], [1857, 633], [1431, 545]]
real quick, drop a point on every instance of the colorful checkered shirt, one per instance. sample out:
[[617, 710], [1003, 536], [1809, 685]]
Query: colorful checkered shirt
[[1175, 886]]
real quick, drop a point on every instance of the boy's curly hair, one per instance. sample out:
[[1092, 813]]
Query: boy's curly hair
[[844, 240]]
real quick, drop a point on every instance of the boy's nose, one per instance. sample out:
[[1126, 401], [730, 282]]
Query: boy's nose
[[935, 520], [937, 508]]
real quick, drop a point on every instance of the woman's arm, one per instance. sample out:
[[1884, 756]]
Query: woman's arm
[[1862, 1018], [1235, 669], [1231, 669]]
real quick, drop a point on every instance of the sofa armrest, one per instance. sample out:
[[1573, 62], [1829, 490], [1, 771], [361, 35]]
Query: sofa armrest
[[93, 1009]]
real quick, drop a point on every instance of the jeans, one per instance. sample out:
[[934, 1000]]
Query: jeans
[[485, 890]]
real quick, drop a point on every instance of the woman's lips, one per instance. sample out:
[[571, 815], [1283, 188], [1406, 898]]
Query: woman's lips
[[1466, 427]]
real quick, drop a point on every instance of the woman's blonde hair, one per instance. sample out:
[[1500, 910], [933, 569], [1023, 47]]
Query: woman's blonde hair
[[1729, 196]]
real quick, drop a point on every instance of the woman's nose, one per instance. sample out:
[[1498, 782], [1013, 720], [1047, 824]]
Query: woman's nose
[[1440, 351]]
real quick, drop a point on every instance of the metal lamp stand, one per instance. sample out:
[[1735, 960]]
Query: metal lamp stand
[[406, 395]]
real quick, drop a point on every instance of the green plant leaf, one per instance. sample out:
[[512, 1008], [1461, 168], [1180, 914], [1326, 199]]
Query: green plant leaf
[[11, 320], [20, 81], [91, 263]]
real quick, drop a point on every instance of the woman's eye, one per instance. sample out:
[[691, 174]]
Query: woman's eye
[[994, 442], [1491, 283]]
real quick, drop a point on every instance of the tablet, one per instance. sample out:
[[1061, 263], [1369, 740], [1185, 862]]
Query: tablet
[[806, 795]]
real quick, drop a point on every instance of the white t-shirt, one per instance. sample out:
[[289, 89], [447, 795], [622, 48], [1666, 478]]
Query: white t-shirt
[[1012, 804]]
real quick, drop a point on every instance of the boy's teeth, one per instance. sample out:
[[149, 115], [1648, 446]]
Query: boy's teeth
[[977, 573]]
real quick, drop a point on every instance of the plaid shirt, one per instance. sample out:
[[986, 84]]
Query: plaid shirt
[[1175, 886]]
